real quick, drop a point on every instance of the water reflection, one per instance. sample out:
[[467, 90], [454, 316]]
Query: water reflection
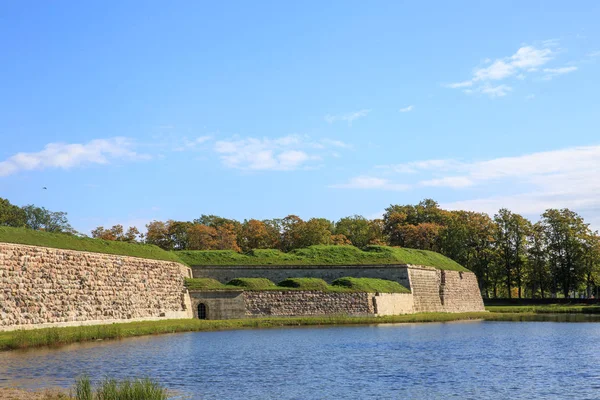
[[495, 360]]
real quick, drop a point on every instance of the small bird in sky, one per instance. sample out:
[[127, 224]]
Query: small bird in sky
[[45, 188]]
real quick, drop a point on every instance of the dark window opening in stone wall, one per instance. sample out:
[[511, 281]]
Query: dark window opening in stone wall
[[202, 314]]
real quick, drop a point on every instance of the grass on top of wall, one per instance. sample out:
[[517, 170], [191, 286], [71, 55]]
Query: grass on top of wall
[[370, 285], [346, 285], [69, 242], [252, 283], [322, 255]]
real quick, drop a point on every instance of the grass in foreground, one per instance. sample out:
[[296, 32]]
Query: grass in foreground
[[322, 255], [69, 242], [347, 284], [60, 336], [112, 389], [547, 309]]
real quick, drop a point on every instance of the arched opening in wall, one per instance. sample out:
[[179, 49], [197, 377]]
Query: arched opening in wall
[[202, 314]]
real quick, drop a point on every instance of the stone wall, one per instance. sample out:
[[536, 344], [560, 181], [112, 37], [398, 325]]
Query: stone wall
[[53, 287], [393, 303], [278, 273], [219, 304], [460, 292], [437, 290], [307, 303]]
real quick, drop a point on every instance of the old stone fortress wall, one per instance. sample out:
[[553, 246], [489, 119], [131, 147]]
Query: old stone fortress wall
[[44, 287]]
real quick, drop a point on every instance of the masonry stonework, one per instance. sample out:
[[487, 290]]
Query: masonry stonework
[[53, 287], [307, 303]]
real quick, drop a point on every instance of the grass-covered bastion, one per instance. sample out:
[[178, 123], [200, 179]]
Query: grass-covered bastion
[[63, 280]]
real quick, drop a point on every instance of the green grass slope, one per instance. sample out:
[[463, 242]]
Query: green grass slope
[[68, 242], [344, 285], [322, 255], [370, 285]]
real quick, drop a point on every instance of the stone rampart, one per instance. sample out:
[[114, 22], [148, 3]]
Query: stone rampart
[[307, 303], [437, 290], [43, 287], [278, 273]]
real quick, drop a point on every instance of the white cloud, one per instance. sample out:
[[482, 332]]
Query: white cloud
[[190, 144], [407, 109], [348, 117], [371, 182], [449, 181], [526, 59], [551, 179], [66, 156], [495, 91], [286, 153], [553, 72]]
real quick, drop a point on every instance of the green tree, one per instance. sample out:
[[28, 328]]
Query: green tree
[[537, 261], [565, 232], [39, 218], [11, 215], [359, 230]]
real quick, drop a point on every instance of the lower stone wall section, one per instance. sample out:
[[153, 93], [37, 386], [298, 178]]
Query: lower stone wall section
[[42, 287], [222, 304], [307, 303], [460, 292], [393, 303], [437, 290]]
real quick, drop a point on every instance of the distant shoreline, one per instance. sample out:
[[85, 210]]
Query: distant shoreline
[[26, 339]]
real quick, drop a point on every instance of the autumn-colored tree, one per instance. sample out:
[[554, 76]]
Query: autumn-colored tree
[[424, 236], [397, 216], [202, 237], [116, 233], [340, 240], [226, 238], [254, 235]]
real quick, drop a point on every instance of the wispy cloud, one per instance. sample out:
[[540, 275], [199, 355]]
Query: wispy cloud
[[554, 72], [286, 153], [66, 156], [191, 144], [485, 79], [552, 179], [348, 117], [371, 182], [407, 109]]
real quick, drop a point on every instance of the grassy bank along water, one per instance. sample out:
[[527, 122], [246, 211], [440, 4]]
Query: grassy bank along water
[[22, 339], [322, 255], [346, 284], [70, 242], [547, 309]]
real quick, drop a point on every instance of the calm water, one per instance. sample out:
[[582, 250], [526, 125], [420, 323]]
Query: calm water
[[493, 360]]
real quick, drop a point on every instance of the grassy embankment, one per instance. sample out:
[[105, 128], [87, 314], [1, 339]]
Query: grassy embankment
[[60, 336], [322, 255], [547, 309], [348, 284], [70, 242]]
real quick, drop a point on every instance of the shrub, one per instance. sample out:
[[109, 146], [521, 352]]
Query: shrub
[[370, 285], [305, 284], [252, 283]]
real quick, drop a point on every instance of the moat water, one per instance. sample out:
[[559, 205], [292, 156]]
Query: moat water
[[463, 360]]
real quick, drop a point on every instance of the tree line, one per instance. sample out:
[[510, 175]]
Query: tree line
[[559, 255]]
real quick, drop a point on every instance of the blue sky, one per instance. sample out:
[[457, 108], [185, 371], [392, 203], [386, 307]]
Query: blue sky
[[134, 111]]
